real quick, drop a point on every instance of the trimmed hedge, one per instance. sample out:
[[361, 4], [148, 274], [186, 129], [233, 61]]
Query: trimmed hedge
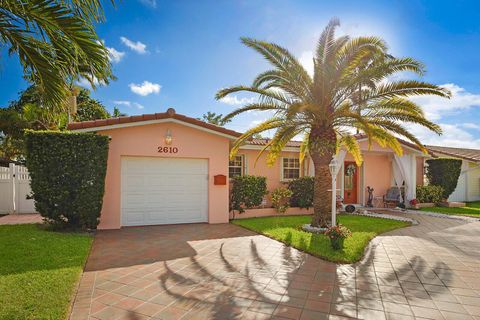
[[444, 172], [302, 192], [429, 194], [68, 176], [247, 192]]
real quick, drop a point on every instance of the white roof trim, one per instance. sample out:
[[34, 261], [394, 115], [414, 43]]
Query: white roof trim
[[149, 122], [297, 149], [257, 147]]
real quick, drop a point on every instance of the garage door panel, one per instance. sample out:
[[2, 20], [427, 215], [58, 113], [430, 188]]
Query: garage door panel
[[132, 217], [164, 191], [134, 181], [134, 200]]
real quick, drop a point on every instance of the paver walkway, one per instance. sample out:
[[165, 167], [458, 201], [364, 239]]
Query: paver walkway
[[21, 218], [429, 271]]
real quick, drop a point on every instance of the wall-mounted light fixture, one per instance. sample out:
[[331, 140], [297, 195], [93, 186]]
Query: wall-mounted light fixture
[[168, 137]]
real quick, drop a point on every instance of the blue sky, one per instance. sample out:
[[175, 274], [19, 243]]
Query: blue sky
[[179, 53]]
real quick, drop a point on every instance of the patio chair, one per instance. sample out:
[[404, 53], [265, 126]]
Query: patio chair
[[392, 197]]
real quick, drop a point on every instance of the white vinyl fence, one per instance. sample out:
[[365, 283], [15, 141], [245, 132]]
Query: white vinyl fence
[[14, 189]]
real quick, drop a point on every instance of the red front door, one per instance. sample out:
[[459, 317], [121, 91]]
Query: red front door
[[350, 173]]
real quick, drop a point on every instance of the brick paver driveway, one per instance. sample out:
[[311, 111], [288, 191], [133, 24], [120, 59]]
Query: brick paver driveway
[[427, 271]]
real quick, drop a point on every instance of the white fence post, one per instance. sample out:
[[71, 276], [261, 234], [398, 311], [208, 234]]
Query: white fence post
[[14, 189]]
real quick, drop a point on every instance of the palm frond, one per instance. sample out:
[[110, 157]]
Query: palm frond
[[407, 88], [282, 136], [255, 106], [304, 148], [352, 146], [263, 93], [261, 127], [326, 40], [293, 73], [55, 41]]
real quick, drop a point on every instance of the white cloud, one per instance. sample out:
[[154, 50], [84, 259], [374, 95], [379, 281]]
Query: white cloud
[[436, 107], [453, 136], [136, 46], [145, 88], [234, 100], [83, 82], [149, 3], [470, 125], [129, 104], [306, 59], [115, 55]]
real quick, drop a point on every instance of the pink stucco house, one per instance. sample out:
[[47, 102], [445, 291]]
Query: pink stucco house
[[167, 168]]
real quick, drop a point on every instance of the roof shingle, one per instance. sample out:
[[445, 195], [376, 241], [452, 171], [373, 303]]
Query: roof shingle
[[464, 153], [146, 117]]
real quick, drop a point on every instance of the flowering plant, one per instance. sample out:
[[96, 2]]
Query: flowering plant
[[414, 202], [339, 231], [337, 234]]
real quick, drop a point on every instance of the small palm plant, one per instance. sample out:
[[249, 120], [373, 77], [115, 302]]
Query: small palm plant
[[351, 89]]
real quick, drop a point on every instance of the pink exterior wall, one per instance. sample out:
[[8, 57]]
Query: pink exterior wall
[[261, 168], [378, 173], [143, 141]]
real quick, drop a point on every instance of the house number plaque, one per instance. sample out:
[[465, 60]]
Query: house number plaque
[[167, 149]]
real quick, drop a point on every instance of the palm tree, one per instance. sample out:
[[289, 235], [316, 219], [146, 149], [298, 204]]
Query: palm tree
[[56, 43], [351, 88], [117, 113], [214, 118]]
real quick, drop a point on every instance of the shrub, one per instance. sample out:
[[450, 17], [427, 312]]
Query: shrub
[[302, 192], [430, 193], [247, 192], [68, 176], [444, 172], [281, 199]]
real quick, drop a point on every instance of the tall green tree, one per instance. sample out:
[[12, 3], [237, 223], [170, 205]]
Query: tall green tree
[[117, 113], [214, 118], [351, 88], [56, 43], [28, 113], [89, 108]]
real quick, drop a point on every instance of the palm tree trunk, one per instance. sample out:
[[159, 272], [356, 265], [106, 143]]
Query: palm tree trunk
[[322, 149]]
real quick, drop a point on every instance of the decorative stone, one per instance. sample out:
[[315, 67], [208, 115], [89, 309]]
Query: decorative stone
[[309, 228], [385, 216], [444, 216]]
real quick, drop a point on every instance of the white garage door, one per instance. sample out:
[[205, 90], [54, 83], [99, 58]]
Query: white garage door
[[164, 191]]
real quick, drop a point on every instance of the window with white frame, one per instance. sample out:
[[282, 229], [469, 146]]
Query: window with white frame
[[235, 167], [290, 168]]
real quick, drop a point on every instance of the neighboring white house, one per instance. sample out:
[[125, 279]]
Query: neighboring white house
[[468, 186]]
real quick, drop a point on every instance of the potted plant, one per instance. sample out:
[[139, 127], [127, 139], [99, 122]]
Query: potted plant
[[414, 203], [337, 235]]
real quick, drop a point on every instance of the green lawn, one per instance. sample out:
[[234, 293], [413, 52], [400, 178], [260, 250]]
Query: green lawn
[[472, 209], [288, 230], [39, 270]]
